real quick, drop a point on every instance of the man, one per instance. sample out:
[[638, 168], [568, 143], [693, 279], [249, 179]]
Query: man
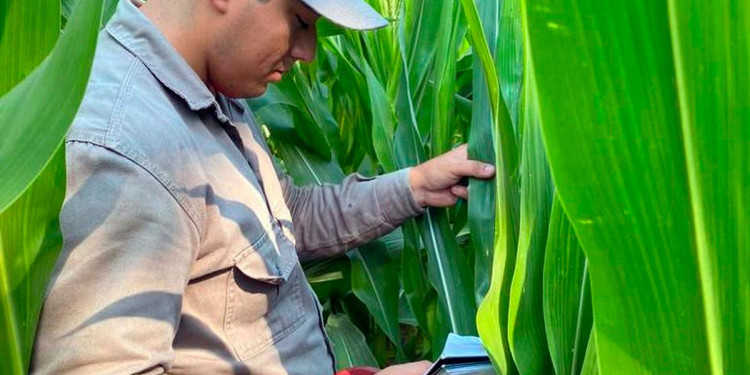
[[181, 242]]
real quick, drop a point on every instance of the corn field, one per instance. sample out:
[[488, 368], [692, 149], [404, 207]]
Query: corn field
[[615, 238]]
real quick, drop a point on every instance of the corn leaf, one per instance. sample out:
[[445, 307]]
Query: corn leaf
[[330, 278], [567, 301], [444, 78], [309, 124], [493, 311], [526, 331], [27, 34], [480, 147], [414, 276], [421, 26], [711, 51], [647, 140], [30, 241], [591, 361], [373, 284], [32, 129], [510, 61], [349, 346]]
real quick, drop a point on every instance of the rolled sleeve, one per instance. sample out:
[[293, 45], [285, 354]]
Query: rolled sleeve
[[114, 301], [332, 218]]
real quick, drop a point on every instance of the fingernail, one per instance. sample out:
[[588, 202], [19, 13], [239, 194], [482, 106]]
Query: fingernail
[[489, 169]]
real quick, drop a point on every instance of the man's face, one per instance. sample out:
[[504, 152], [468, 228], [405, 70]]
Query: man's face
[[257, 42]]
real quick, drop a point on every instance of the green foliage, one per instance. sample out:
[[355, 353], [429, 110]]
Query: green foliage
[[31, 189], [567, 304], [647, 140], [349, 346]]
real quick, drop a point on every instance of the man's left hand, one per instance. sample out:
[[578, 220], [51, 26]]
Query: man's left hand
[[436, 182]]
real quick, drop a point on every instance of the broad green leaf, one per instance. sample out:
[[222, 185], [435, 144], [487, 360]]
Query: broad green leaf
[[493, 311], [30, 241], [373, 283], [647, 143], [349, 346], [108, 9], [711, 51], [27, 34], [32, 128], [526, 332], [481, 147], [567, 300], [591, 361]]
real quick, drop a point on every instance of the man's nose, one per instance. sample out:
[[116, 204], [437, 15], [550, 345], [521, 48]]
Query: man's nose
[[305, 45]]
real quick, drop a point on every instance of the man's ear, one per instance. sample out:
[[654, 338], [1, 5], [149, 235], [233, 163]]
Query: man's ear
[[221, 6]]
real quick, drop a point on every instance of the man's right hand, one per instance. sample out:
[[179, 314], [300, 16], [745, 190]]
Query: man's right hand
[[413, 368]]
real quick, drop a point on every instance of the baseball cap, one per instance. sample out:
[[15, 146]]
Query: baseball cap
[[351, 14]]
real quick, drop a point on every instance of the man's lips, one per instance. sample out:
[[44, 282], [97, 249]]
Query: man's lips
[[276, 75]]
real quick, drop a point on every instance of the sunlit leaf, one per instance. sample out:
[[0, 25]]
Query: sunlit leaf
[[647, 140]]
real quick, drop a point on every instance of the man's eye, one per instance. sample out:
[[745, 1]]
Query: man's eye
[[302, 24]]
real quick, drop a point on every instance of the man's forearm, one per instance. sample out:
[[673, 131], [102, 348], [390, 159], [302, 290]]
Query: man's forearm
[[330, 219]]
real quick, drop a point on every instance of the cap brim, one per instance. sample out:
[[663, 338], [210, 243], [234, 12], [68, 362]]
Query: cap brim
[[351, 14]]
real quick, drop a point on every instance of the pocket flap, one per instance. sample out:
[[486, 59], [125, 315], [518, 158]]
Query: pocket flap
[[268, 260]]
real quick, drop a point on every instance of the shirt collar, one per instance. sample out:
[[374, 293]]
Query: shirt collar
[[138, 35]]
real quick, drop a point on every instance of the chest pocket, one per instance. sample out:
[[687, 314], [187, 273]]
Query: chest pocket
[[264, 303]]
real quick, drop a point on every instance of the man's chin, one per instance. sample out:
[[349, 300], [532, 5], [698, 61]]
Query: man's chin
[[258, 91], [251, 92]]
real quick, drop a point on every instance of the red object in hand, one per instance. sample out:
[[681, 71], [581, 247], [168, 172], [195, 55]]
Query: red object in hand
[[358, 371]]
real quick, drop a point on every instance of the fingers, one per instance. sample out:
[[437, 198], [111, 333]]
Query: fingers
[[442, 198], [463, 166], [462, 151], [448, 197], [473, 168], [460, 191], [413, 368]]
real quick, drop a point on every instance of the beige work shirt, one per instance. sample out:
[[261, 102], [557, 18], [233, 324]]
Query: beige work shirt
[[181, 242]]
